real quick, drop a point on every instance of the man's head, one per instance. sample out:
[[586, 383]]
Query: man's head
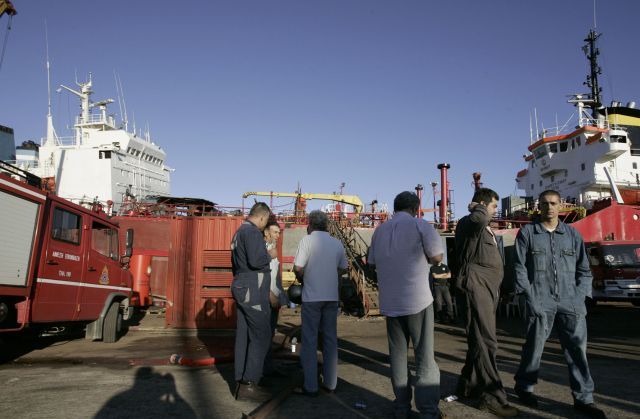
[[549, 204], [406, 201], [271, 232], [318, 221], [259, 214], [488, 198]]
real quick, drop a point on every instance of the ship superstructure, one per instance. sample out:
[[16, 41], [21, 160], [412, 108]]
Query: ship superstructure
[[102, 161], [605, 143]]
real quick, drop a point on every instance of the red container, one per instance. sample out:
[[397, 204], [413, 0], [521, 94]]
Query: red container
[[199, 273]]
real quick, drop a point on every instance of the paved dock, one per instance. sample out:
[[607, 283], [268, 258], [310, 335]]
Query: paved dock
[[68, 377]]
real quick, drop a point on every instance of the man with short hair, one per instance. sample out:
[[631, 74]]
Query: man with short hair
[[440, 276], [480, 275], [250, 289], [320, 261], [552, 271], [277, 296], [400, 251]]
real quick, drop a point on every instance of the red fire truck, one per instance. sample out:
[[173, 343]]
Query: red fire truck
[[60, 265]]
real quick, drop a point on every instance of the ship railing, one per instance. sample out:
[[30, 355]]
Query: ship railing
[[66, 141], [96, 119]]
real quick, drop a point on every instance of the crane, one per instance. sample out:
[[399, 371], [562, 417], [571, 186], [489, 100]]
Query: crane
[[7, 7], [302, 197]]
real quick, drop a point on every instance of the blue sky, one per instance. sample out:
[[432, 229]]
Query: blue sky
[[263, 95]]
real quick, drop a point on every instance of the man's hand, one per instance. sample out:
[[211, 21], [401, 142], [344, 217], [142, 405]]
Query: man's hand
[[273, 253]]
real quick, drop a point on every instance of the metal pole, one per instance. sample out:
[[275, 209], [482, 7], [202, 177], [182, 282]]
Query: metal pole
[[444, 196]]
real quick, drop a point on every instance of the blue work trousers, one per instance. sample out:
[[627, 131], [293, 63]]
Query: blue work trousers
[[319, 316], [253, 331], [572, 330]]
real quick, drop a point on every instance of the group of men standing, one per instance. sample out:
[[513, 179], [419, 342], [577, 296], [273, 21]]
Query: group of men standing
[[257, 290], [552, 273]]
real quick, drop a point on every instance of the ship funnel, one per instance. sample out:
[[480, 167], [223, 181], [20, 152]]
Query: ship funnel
[[631, 105]]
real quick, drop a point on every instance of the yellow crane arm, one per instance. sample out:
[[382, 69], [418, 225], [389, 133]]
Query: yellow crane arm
[[7, 7], [346, 199]]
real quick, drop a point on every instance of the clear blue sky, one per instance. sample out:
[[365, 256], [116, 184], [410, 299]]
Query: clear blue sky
[[260, 95]]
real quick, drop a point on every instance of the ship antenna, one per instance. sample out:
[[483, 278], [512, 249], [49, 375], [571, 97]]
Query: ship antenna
[[592, 52], [51, 133], [535, 113], [119, 97], [594, 14], [124, 105]]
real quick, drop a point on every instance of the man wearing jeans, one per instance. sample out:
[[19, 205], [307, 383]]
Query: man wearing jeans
[[553, 273], [400, 251], [318, 265]]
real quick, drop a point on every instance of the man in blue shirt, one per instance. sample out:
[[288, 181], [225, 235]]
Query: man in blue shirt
[[552, 271], [250, 289], [400, 251]]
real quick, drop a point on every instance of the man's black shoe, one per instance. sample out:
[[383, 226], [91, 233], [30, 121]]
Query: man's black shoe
[[490, 404], [589, 409], [251, 391], [527, 398]]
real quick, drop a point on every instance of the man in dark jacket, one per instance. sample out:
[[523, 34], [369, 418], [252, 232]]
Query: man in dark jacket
[[552, 272], [480, 275], [250, 289]]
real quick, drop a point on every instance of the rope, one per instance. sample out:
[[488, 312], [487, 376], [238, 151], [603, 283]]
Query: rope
[[4, 43]]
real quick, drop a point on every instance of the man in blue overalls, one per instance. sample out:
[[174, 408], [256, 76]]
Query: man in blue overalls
[[552, 271], [250, 290]]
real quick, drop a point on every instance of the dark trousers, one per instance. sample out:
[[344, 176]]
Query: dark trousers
[[572, 330], [268, 359], [253, 331], [479, 376], [442, 296]]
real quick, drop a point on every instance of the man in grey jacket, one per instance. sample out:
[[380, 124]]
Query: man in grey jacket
[[552, 271], [479, 277]]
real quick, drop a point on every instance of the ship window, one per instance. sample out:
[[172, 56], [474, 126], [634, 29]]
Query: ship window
[[552, 178], [582, 167], [129, 150], [540, 183], [553, 148], [104, 240], [578, 142], [564, 146], [532, 186], [104, 154], [634, 165], [540, 152], [66, 226], [573, 144]]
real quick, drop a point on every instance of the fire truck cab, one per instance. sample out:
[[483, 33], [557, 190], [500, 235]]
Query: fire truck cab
[[60, 264], [615, 266]]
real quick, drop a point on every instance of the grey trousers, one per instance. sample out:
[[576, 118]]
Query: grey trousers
[[319, 316], [419, 329], [479, 376], [441, 296]]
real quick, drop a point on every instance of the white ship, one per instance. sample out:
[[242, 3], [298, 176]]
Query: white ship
[[578, 163], [103, 162]]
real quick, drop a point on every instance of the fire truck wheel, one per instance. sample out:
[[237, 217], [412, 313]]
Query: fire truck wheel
[[112, 323]]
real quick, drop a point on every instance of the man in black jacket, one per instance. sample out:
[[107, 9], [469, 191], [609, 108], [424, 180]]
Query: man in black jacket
[[480, 276]]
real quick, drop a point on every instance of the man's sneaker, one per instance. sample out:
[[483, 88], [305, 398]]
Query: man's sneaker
[[589, 409], [491, 405], [527, 398], [251, 391]]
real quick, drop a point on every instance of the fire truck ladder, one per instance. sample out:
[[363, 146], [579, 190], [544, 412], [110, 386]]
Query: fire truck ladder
[[356, 249]]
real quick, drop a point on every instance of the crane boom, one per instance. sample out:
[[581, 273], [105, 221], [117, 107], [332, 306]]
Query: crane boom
[[345, 199], [7, 7]]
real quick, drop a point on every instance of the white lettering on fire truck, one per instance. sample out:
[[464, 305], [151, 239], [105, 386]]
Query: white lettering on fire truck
[[65, 274], [72, 257], [57, 255]]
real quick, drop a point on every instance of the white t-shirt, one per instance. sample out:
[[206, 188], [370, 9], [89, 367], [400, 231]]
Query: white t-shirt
[[274, 266], [320, 255]]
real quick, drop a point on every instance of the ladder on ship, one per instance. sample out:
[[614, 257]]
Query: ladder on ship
[[356, 249]]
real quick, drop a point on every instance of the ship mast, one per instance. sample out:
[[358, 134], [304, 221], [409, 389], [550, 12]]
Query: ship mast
[[592, 52]]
